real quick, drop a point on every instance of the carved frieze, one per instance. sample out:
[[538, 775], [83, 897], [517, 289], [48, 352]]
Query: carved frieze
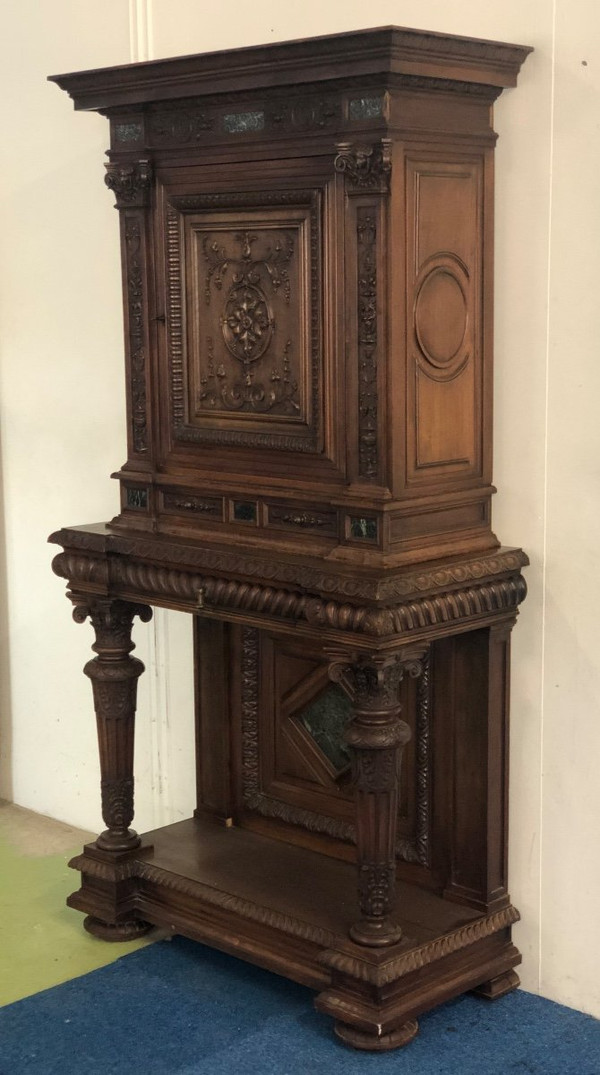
[[416, 615]]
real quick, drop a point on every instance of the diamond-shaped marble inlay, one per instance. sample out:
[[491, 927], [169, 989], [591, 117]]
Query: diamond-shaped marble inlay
[[325, 720]]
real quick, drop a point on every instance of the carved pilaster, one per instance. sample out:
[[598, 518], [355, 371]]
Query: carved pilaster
[[132, 224], [366, 168], [114, 675], [130, 181], [366, 239], [376, 737]]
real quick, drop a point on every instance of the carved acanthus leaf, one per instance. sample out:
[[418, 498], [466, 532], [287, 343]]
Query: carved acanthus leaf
[[365, 167], [131, 182]]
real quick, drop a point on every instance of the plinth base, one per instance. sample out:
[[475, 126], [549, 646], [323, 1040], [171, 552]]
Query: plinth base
[[290, 910], [498, 987], [374, 1043], [117, 931]]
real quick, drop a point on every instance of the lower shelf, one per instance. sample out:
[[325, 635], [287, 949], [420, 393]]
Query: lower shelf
[[289, 909]]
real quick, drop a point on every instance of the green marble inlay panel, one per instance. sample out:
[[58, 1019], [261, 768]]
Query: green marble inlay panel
[[325, 720], [365, 529], [244, 511], [240, 122], [128, 132], [137, 499], [366, 108]]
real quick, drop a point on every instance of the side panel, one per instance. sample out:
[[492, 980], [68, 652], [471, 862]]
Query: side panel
[[444, 343]]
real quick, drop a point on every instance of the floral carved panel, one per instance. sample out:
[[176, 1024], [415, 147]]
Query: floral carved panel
[[244, 329]]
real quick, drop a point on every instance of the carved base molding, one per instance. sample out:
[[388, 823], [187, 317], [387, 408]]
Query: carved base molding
[[215, 896]]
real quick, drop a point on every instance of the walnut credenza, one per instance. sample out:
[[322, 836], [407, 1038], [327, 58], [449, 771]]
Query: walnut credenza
[[307, 262]]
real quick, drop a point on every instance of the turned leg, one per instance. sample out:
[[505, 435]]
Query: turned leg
[[114, 675], [376, 737]]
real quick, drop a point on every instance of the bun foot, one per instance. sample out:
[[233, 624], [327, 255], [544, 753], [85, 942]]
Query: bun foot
[[498, 987], [117, 931], [360, 1039]]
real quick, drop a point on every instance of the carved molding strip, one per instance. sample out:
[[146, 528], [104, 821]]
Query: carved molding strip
[[150, 580], [134, 223], [175, 322], [86, 570], [408, 584], [266, 916], [105, 871], [422, 738], [366, 238], [416, 958]]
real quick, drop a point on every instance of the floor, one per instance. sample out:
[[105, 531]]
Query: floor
[[42, 942]]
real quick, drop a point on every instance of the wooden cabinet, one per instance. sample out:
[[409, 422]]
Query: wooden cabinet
[[306, 235]]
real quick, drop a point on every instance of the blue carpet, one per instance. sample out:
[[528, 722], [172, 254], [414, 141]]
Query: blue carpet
[[178, 1008]]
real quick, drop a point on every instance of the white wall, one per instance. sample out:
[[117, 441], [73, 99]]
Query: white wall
[[62, 425]]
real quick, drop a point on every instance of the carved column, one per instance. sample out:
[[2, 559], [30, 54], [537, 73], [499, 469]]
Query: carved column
[[114, 675], [376, 737]]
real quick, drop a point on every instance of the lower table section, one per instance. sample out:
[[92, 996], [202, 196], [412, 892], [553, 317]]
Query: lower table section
[[289, 910]]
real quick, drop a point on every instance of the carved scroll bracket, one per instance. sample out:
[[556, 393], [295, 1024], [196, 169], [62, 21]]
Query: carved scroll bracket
[[366, 168], [131, 182]]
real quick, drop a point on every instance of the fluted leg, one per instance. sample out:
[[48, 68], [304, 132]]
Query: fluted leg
[[376, 736], [114, 675]]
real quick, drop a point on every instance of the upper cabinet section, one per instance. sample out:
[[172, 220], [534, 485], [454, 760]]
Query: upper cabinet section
[[306, 235]]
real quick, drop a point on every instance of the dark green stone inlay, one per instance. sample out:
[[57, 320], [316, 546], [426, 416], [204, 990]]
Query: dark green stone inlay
[[366, 108], [240, 122], [137, 499], [244, 511], [363, 529], [128, 132], [325, 720]]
